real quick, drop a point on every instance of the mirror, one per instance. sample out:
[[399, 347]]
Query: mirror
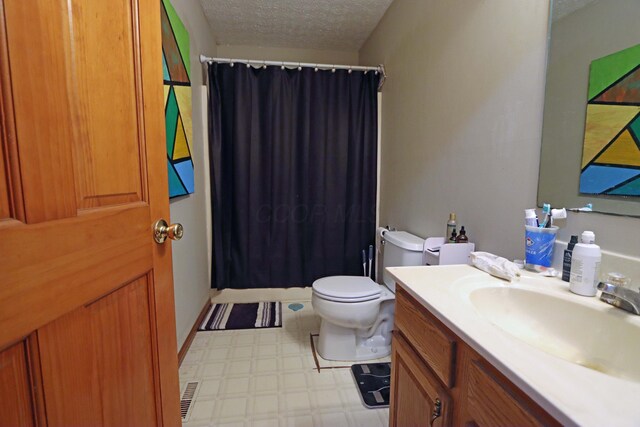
[[580, 32]]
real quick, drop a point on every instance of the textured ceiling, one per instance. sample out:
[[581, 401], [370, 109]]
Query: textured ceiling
[[309, 24], [562, 8]]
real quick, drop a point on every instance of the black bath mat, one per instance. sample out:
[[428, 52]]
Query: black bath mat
[[243, 316], [373, 381]]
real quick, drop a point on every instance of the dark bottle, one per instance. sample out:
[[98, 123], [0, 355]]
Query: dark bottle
[[462, 237], [453, 237], [566, 260]]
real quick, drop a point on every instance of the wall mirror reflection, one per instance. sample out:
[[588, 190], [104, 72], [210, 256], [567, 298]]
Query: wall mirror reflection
[[601, 36]]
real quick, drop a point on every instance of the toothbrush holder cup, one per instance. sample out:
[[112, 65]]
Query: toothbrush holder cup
[[539, 243]]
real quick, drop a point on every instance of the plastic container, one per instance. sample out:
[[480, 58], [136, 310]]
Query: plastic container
[[585, 266], [539, 243]]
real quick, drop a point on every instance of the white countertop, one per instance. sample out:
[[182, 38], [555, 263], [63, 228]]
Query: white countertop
[[573, 394]]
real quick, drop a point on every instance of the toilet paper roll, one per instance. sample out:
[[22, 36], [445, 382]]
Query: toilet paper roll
[[380, 232]]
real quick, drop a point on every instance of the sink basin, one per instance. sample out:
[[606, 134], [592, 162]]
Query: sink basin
[[599, 338]]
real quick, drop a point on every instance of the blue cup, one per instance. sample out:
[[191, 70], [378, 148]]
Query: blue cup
[[539, 243]]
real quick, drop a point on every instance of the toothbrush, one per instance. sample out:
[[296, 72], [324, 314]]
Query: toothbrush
[[364, 263], [546, 210], [587, 208], [370, 259]]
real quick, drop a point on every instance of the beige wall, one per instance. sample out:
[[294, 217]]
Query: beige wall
[[190, 255], [288, 54], [461, 116], [462, 120]]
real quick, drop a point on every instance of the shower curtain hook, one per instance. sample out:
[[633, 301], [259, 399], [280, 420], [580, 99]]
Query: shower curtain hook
[[333, 68], [231, 64], [299, 67], [316, 68], [350, 70], [264, 64]]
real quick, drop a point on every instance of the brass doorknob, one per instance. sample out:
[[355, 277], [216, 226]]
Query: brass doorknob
[[162, 230]]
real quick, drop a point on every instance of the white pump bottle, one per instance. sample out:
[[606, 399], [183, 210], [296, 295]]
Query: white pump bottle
[[585, 266]]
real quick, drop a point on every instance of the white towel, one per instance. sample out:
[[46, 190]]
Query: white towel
[[495, 265]]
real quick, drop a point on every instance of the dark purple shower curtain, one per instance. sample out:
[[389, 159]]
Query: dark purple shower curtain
[[293, 158]]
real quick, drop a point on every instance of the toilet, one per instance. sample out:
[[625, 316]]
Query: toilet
[[356, 312]]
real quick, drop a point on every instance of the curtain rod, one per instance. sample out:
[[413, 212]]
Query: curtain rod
[[379, 69]]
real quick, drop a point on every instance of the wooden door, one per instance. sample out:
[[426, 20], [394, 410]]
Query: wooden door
[[417, 398], [87, 323]]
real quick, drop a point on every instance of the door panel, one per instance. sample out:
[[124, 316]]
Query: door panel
[[16, 408], [107, 163], [11, 201], [70, 262], [38, 46], [5, 207], [113, 326]]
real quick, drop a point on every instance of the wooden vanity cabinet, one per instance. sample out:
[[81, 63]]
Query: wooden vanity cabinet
[[439, 380]]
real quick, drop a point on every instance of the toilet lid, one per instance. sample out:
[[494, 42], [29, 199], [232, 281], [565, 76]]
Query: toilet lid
[[347, 288]]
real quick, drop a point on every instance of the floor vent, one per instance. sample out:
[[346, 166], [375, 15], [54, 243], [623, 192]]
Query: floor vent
[[187, 399]]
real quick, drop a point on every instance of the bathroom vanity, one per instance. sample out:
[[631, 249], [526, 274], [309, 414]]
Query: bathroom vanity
[[470, 349]]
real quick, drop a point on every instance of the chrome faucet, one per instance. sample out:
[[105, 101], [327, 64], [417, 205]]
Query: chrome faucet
[[621, 297]]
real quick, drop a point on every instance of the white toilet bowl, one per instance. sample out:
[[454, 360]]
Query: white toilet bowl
[[357, 313], [357, 317]]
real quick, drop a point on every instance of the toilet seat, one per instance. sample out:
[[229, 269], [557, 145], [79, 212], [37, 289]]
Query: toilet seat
[[348, 289]]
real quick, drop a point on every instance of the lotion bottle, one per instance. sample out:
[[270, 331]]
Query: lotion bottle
[[585, 265], [451, 226]]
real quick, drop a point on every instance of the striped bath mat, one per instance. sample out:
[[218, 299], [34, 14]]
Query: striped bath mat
[[242, 316]]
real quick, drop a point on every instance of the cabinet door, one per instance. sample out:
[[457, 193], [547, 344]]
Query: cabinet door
[[417, 399], [489, 399]]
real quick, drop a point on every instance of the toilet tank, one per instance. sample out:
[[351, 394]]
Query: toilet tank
[[400, 249]]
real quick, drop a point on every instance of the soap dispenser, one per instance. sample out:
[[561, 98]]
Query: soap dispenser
[[585, 265]]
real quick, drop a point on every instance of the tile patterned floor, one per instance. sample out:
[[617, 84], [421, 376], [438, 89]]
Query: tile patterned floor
[[267, 377]]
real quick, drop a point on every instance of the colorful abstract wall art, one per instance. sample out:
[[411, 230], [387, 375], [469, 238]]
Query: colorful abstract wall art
[[177, 101], [611, 151]]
